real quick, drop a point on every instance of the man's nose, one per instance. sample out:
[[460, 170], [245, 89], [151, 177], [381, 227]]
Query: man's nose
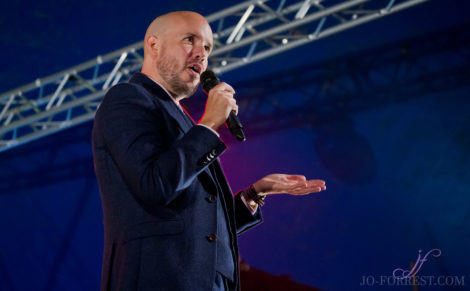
[[199, 52]]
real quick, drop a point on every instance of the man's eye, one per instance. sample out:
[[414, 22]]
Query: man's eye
[[189, 38]]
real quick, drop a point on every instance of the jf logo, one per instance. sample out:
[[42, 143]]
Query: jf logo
[[403, 274]]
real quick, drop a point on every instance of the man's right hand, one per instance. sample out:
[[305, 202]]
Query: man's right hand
[[220, 103]]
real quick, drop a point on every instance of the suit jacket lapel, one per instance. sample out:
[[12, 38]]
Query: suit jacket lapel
[[162, 97]]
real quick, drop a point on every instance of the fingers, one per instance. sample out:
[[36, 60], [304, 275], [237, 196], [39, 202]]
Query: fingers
[[312, 186], [316, 185], [305, 191], [224, 87], [234, 106], [225, 91], [316, 182]]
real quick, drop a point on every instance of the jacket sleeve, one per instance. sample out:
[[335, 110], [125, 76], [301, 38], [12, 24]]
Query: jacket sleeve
[[243, 217], [135, 132]]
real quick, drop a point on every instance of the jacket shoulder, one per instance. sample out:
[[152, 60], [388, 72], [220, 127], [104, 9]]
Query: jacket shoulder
[[124, 91]]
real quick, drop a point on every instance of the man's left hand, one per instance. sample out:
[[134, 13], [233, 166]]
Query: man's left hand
[[290, 184]]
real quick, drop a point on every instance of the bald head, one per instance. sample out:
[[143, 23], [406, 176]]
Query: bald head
[[176, 48], [162, 25]]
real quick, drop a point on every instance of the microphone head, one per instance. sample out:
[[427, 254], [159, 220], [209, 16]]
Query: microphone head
[[209, 80]]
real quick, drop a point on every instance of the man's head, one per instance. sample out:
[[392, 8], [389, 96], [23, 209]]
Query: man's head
[[176, 48]]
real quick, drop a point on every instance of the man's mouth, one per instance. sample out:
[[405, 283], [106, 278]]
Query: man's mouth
[[196, 68]]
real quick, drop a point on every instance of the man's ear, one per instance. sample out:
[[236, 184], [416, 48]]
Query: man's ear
[[152, 45]]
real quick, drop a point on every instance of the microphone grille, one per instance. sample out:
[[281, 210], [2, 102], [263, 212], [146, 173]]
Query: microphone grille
[[209, 80]]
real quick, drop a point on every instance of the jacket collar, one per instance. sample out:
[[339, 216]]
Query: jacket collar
[[161, 95]]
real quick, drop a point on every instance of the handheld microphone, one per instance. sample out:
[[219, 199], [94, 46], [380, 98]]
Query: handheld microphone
[[208, 81]]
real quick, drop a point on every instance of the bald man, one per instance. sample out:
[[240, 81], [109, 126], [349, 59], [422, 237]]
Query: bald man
[[170, 218]]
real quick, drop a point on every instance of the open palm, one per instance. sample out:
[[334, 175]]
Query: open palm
[[290, 184]]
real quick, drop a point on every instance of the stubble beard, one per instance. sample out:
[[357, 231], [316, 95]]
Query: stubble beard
[[169, 71]]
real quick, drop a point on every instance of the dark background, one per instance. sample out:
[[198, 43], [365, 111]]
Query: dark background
[[381, 112]]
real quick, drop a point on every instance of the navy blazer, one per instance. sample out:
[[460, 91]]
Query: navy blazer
[[158, 195]]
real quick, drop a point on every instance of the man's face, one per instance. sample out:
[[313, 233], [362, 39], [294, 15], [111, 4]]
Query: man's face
[[183, 54]]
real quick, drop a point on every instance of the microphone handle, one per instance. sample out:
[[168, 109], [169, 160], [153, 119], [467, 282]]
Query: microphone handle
[[235, 127]]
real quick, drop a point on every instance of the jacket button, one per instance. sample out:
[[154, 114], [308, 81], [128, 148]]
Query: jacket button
[[211, 198], [212, 237]]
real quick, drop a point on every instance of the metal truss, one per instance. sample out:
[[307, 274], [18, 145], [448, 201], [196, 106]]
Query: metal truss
[[325, 91], [243, 34], [337, 88]]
